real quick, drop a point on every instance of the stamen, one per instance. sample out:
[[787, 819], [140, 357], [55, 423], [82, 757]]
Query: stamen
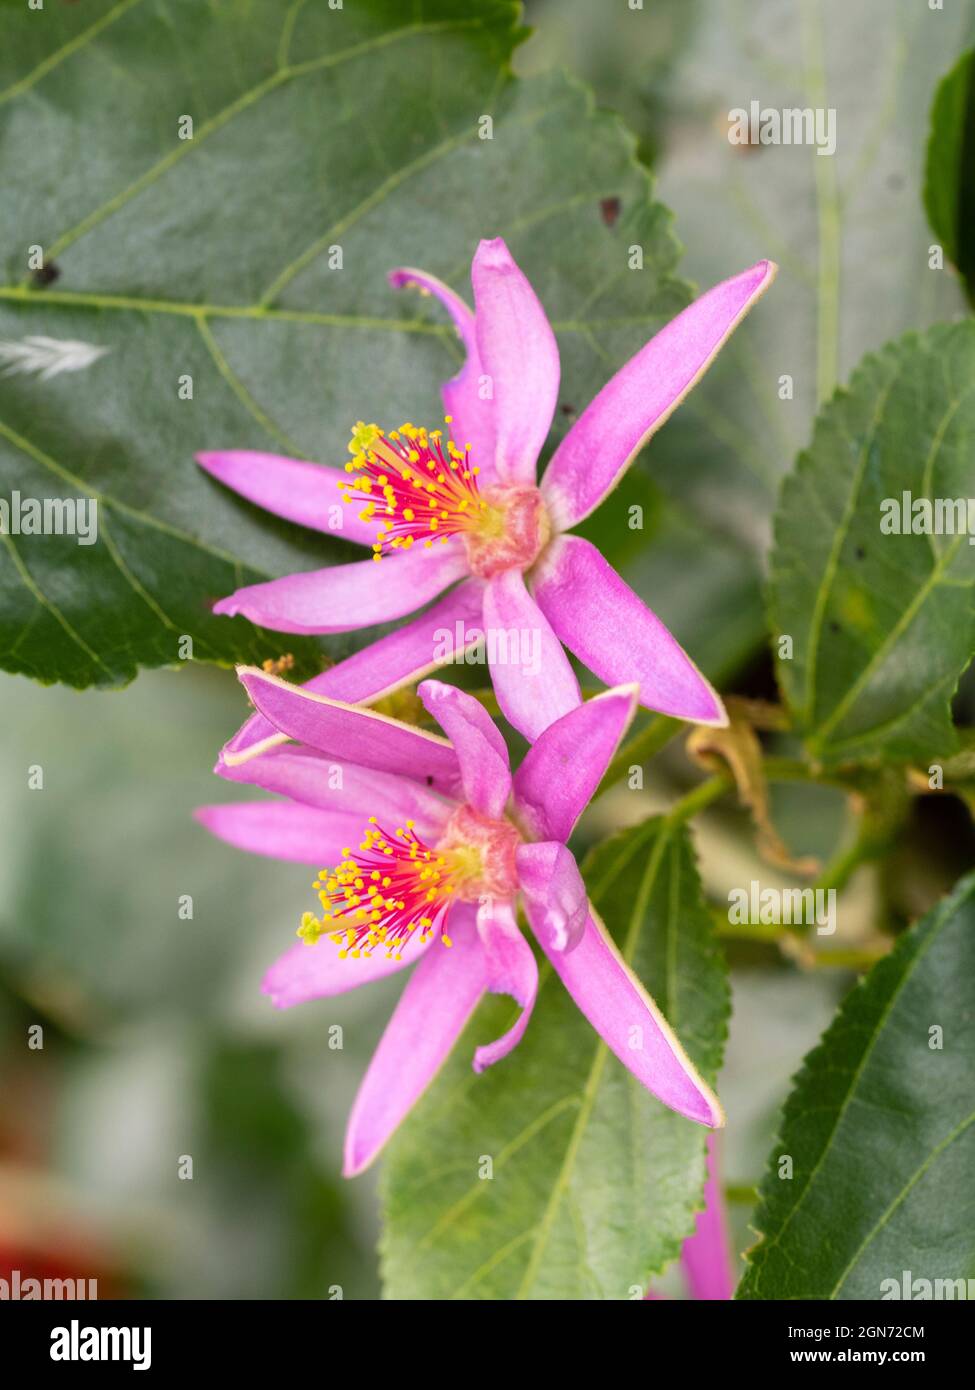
[[392, 886], [284, 663], [416, 486]]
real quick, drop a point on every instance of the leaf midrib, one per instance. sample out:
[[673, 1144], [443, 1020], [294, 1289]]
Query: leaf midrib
[[600, 1057], [55, 59], [257, 313]]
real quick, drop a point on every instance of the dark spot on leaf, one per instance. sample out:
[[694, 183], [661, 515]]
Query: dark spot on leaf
[[567, 409], [860, 553], [46, 275], [610, 210], [833, 625]]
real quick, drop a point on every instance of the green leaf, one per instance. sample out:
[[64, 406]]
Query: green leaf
[[949, 184], [883, 625], [881, 1130], [209, 258], [595, 1182]]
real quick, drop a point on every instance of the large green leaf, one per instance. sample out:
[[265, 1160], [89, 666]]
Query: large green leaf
[[882, 624], [594, 1181], [881, 1130], [949, 185], [209, 257]]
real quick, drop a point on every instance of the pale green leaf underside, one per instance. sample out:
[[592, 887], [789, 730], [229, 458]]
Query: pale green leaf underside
[[847, 230], [594, 1181], [881, 1131]]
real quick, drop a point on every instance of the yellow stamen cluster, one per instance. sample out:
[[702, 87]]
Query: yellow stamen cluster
[[416, 485], [391, 887]]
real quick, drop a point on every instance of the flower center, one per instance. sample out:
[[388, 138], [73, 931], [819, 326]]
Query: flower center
[[514, 543], [417, 486], [393, 885]]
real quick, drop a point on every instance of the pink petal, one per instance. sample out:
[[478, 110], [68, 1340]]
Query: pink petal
[[707, 1256], [614, 427], [614, 633], [520, 356], [307, 493], [440, 997], [563, 768], [472, 418], [353, 734], [532, 678], [315, 779], [393, 661], [512, 969], [552, 885], [344, 598], [631, 1025], [282, 830], [317, 972], [481, 751]]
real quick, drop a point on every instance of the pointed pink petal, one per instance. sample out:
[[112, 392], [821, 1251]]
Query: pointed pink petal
[[631, 1025], [472, 417], [534, 682], [396, 660], [707, 1256], [353, 734], [282, 830], [317, 972], [512, 969], [316, 779], [307, 493], [520, 357], [563, 768], [614, 427], [554, 892], [440, 997], [614, 633], [344, 598], [481, 751]]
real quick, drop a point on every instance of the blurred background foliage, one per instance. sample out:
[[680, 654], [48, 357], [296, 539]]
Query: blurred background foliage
[[157, 1042]]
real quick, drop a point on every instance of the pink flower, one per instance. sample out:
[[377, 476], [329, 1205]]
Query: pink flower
[[448, 843], [707, 1257], [467, 510]]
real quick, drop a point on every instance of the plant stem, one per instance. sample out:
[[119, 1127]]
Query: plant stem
[[699, 797], [844, 865], [741, 1194], [850, 959]]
